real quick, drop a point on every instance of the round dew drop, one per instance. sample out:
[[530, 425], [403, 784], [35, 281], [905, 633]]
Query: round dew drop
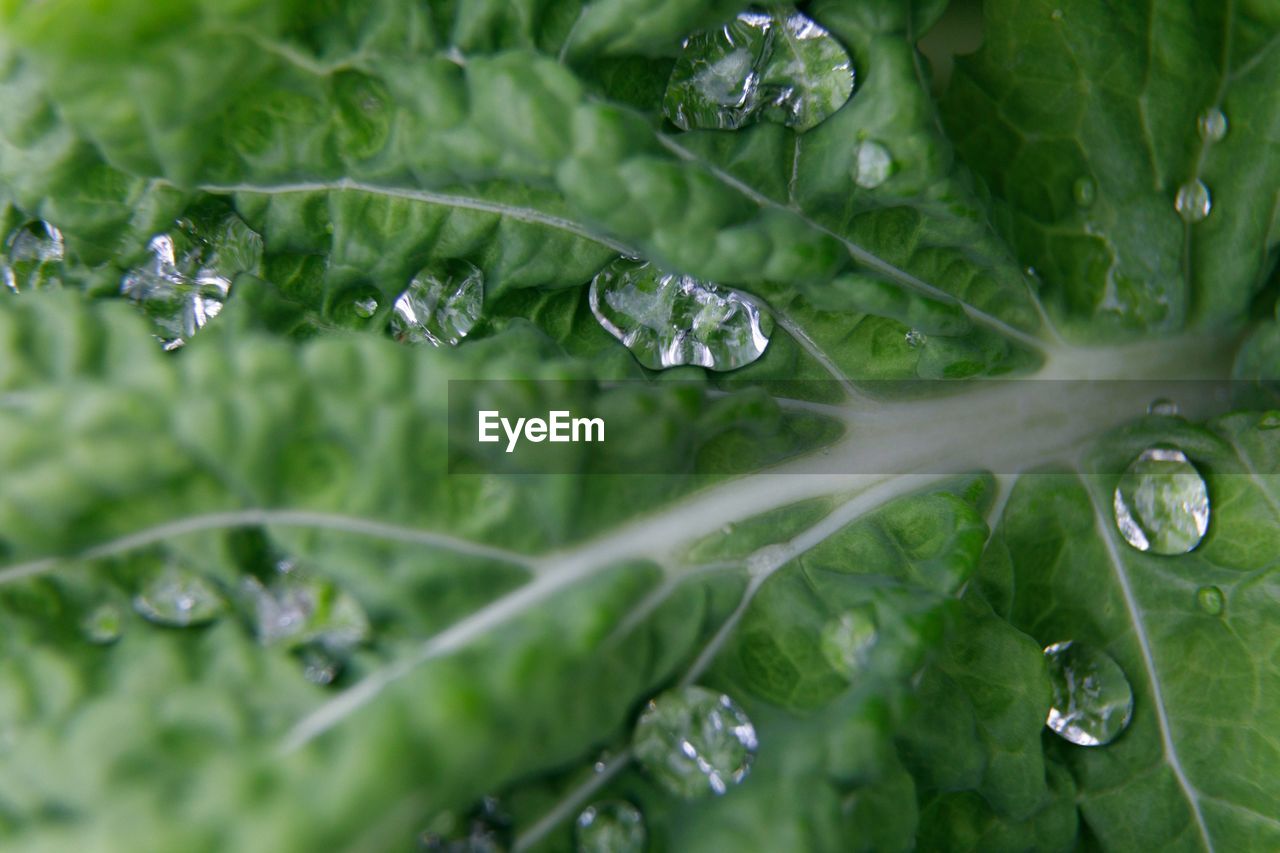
[[872, 165], [612, 826], [1163, 406], [1085, 191], [1161, 503], [1193, 202], [848, 639], [1211, 600], [694, 742], [1092, 700], [103, 625], [1212, 125]]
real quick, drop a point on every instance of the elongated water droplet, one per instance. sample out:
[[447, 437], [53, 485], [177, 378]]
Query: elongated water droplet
[[188, 277], [440, 306], [104, 624], [848, 639], [1092, 699], [613, 826], [916, 338], [32, 259], [1270, 420], [1163, 406], [296, 610], [180, 598], [1212, 125], [694, 741], [1210, 599], [872, 164], [1084, 191], [779, 66], [1162, 503], [668, 320], [1193, 202]]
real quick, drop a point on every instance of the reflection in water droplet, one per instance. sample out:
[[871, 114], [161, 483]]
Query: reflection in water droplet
[[872, 164], [1092, 699], [1084, 191], [1163, 406], [1212, 125], [1193, 202], [1162, 503], [178, 597], [848, 639], [916, 338], [779, 66], [104, 624], [668, 320], [188, 277], [613, 826], [296, 610], [32, 259], [440, 306], [1210, 599], [694, 741]]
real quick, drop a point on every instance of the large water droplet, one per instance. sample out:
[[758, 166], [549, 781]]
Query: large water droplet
[[440, 306], [694, 741], [1092, 699], [613, 826], [1193, 202], [779, 66], [848, 639], [296, 610], [104, 624], [1210, 599], [1163, 406], [188, 277], [668, 320], [1084, 191], [1162, 503], [33, 254], [872, 164], [178, 597], [1212, 125]]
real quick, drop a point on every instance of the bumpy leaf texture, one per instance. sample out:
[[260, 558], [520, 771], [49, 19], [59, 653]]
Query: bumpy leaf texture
[[868, 565]]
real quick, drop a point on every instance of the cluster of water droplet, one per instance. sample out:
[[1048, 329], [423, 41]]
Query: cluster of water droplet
[[33, 256], [1193, 201]]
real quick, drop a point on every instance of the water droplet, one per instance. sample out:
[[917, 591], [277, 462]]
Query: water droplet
[[188, 277], [488, 830], [782, 67], [1092, 699], [1270, 420], [319, 667], [848, 639], [32, 259], [613, 826], [1210, 599], [916, 338], [296, 610], [1056, 15], [694, 741], [1193, 202], [104, 624], [180, 598], [365, 308], [1212, 125], [1161, 503], [440, 306], [872, 164], [1163, 406], [1084, 191], [668, 320]]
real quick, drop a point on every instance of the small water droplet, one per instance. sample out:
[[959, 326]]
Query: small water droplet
[[1092, 699], [297, 610], [365, 308], [612, 826], [872, 164], [1193, 202], [1163, 406], [1212, 125], [319, 666], [1056, 15], [1210, 599], [179, 598], [780, 66], [33, 254], [440, 306], [1270, 420], [694, 741], [104, 624], [188, 277], [1162, 503], [667, 319], [916, 338], [848, 639], [1085, 191]]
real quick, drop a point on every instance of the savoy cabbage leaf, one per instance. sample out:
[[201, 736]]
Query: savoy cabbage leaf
[[869, 566]]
